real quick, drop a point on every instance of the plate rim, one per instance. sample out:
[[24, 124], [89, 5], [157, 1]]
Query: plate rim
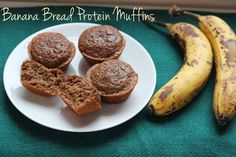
[[69, 130]]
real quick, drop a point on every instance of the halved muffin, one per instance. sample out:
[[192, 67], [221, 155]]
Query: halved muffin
[[51, 49], [114, 79], [79, 95], [40, 80], [100, 43]]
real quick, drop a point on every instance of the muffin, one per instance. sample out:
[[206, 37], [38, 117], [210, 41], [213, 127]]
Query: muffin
[[52, 50], [114, 79], [101, 43], [40, 80], [79, 95]]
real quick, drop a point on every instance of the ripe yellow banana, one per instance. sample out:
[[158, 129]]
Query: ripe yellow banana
[[193, 75], [223, 41]]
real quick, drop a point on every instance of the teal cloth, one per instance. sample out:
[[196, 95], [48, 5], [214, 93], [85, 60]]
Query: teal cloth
[[190, 132]]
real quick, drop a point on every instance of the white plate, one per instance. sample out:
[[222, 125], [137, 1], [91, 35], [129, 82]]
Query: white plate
[[53, 113]]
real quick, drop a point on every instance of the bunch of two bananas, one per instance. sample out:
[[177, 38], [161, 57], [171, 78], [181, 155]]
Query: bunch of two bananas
[[214, 34]]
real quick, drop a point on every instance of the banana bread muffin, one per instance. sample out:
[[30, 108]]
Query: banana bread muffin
[[114, 79], [100, 43], [52, 50], [79, 95], [40, 80]]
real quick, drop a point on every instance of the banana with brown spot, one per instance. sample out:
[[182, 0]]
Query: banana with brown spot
[[223, 41], [192, 76]]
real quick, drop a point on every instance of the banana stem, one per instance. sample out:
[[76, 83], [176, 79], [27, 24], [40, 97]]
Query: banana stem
[[176, 11], [163, 24]]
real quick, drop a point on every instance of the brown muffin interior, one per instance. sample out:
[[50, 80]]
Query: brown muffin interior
[[40, 77], [75, 90]]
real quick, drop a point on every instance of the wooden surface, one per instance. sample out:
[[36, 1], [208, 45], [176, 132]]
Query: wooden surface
[[198, 5]]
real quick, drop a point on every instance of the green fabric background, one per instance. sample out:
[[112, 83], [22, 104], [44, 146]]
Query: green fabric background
[[190, 132]]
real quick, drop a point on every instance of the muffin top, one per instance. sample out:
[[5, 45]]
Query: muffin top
[[101, 41], [112, 76], [50, 49]]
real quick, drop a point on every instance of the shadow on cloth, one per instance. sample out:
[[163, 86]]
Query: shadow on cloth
[[221, 129]]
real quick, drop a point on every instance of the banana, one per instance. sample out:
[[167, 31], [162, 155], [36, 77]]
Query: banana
[[223, 41], [192, 76]]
